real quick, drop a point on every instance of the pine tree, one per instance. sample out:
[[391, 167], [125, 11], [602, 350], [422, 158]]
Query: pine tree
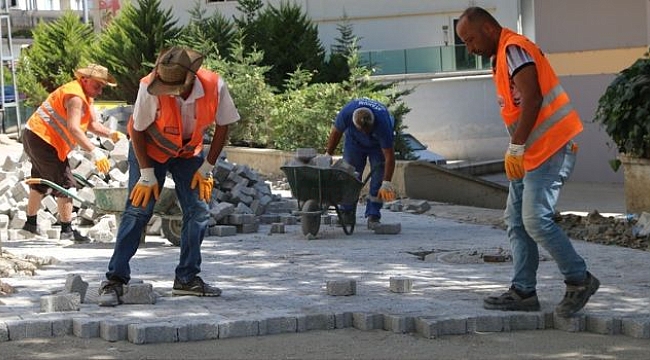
[[208, 35], [128, 47]]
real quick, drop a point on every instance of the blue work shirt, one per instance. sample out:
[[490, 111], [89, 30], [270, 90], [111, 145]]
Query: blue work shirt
[[382, 134]]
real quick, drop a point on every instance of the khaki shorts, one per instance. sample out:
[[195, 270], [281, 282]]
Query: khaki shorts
[[46, 165]]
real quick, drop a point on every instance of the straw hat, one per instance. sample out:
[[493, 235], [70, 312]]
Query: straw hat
[[174, 71], [96, 72]]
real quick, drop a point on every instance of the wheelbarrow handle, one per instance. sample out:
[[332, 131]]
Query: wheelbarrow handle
[[39, 181]]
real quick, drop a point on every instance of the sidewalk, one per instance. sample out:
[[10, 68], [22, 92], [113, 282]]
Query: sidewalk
[[276, 284]]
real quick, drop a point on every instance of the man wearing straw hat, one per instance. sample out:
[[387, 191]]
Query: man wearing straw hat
[[175, 105], [56, 127]]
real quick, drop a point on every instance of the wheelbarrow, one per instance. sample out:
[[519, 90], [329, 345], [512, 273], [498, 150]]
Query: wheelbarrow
[[111, 200], [318, 189]]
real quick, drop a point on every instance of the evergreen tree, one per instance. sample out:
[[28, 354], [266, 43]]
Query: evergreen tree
[[336, 68], [128, 47], [210, 34], [286, 36]]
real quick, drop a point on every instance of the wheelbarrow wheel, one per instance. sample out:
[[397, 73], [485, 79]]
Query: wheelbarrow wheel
[[310, 220], [171, 230]]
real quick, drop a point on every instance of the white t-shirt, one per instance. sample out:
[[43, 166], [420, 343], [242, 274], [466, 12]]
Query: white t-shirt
[[146, 108], [517, 59]]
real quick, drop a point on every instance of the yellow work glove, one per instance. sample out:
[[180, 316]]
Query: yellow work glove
[[145, 188], [203, 180], [100, 160], [386, 192], [514, 162], [117, 136]]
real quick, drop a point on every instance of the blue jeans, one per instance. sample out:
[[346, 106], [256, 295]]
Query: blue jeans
[[135, 219], [529, 220], [357, 156]]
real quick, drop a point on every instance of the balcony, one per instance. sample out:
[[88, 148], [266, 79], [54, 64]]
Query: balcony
[[432, 59]]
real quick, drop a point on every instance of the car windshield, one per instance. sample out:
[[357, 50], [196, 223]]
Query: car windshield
[[413, 143]]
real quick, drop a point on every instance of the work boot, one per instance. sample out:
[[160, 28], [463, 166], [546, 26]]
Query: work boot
[[196, 287], [373, 222], [30, 230], [577, 295], [75, 236], [512, 300], [110, 293]]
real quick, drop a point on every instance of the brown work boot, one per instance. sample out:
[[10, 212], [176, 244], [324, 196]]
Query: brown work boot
[[577, 295], [512, 300]]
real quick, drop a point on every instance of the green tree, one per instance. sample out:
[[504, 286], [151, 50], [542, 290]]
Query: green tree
[[129, 45], [250, 10], [286, 36], [59, 47], [304, 112], [208, 34], [336, 68], [252, 96]]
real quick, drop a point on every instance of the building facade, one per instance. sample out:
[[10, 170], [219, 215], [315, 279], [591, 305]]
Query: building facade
[[453, 107]]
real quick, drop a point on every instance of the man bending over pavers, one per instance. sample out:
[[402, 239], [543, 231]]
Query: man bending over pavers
[[52, 132], [175, 105], [368, 127], [542, 124]]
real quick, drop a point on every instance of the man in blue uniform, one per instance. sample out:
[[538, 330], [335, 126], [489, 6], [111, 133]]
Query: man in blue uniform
[[369, 135]]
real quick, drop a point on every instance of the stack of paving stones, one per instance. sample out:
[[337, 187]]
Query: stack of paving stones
[[240, 198]]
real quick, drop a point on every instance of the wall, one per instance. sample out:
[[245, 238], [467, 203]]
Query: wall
[[588, 42], [457, 116], [381, 24]]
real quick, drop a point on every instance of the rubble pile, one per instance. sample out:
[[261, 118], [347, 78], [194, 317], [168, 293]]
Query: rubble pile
[[238, 191], [607, 230]]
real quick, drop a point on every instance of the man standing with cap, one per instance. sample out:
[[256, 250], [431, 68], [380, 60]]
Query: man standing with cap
[[369, 135], [175, 105], [58, 125]]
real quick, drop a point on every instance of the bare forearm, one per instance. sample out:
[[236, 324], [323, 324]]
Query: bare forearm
[[139, 144], [99, 129], [333, 141], [217, 144], [389, 165]]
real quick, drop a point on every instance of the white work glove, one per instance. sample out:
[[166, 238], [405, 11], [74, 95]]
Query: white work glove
[[100, 160], [514, 161], [145, 188], [203, 180], [386, 192]]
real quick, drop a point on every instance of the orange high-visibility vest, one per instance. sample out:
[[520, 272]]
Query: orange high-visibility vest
[[50, 120], [165, 134], [557, 121]]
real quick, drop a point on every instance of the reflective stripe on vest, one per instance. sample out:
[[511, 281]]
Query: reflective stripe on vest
[[163, 136], [55, 121], [551, 120], [557, 121], [167, 146], [49, 121]]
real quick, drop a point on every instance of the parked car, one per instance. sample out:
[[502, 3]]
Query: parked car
[[8, 94], [421, 152]]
